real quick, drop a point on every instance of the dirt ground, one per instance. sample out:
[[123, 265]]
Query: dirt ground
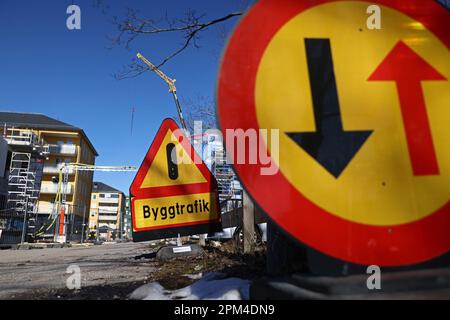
[[113, 271]]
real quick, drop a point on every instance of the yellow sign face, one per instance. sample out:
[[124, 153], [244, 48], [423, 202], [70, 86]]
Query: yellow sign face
[[157, 176], [379, 186], [167, 211]]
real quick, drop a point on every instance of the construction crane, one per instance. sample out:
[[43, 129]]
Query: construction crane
[[63, 180], [170, 82], [173, 90]]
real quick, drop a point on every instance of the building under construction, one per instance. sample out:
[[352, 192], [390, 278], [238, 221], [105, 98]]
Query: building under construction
[[213, 153], [106, 217], [33, 149], [22, 172]]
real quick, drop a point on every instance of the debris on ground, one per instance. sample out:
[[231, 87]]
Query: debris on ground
[[212, 286], [226, 259], [113, 273], [215, 244]]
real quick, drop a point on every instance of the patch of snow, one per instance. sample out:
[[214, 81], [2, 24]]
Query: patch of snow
[[216, 244], [197, 276], [212, 286]]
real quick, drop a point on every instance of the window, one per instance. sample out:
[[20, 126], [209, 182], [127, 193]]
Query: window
[[102, 195], [115, 196], [94, 196]]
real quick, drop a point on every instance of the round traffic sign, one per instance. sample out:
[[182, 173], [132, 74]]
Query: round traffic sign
[[362, 114]]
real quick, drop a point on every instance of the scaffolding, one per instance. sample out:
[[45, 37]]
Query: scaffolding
[[24, 177], [228, 186]]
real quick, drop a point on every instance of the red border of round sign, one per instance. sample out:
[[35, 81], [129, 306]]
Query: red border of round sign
[[398, 245]]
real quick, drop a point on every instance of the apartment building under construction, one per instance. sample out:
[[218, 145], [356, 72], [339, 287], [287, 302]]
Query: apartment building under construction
[[213, 153], [106, 219], [37, 147]]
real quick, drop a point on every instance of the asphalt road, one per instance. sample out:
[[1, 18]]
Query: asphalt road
[[34, 274]]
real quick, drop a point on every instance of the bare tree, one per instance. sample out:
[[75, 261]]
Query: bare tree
[[133, 26], [201, 108], [189, 27]]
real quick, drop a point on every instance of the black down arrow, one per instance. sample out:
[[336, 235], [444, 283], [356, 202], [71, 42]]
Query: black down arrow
[[330, 145]]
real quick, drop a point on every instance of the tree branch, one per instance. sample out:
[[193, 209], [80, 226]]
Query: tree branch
[[133, 27]]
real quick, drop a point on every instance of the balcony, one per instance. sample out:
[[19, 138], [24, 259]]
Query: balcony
[[63, 149], [107, 218], [52, 188], [19, 137], [107, 209], [108, 200], [46, 208], [56, 168]]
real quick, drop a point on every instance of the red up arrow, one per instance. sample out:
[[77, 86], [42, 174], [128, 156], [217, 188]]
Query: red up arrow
[[408, 69]]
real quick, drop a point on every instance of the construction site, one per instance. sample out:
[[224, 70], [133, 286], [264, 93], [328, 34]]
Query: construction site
[[38, 189], [302, 156], [44, 206], [50, 201]]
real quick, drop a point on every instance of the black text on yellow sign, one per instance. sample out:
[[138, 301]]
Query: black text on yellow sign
[[176, 210]]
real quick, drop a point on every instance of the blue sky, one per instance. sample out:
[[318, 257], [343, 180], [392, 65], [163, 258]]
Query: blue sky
[[67, 75]]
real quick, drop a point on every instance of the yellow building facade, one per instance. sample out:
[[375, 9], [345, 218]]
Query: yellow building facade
[[61, 143], [67, 147], [107, 212]]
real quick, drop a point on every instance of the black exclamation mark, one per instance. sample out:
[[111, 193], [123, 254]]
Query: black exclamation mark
[[172, 167]]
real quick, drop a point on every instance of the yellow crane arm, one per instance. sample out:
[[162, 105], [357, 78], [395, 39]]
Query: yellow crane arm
[[170, 82], [172, 88]]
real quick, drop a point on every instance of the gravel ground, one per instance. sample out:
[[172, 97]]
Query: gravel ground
[[41, 273], [113, 271]]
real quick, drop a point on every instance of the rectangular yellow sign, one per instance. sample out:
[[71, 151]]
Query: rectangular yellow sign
[[175, 210]]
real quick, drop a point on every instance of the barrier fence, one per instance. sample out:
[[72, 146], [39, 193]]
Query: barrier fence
[[41, 227]]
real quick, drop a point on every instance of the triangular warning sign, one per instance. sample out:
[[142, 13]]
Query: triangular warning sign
[[171, 166], [173, 193]]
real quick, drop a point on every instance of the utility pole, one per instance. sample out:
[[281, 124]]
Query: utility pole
[[83, 224], [248, 224], [132, 120], [24, 227]]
